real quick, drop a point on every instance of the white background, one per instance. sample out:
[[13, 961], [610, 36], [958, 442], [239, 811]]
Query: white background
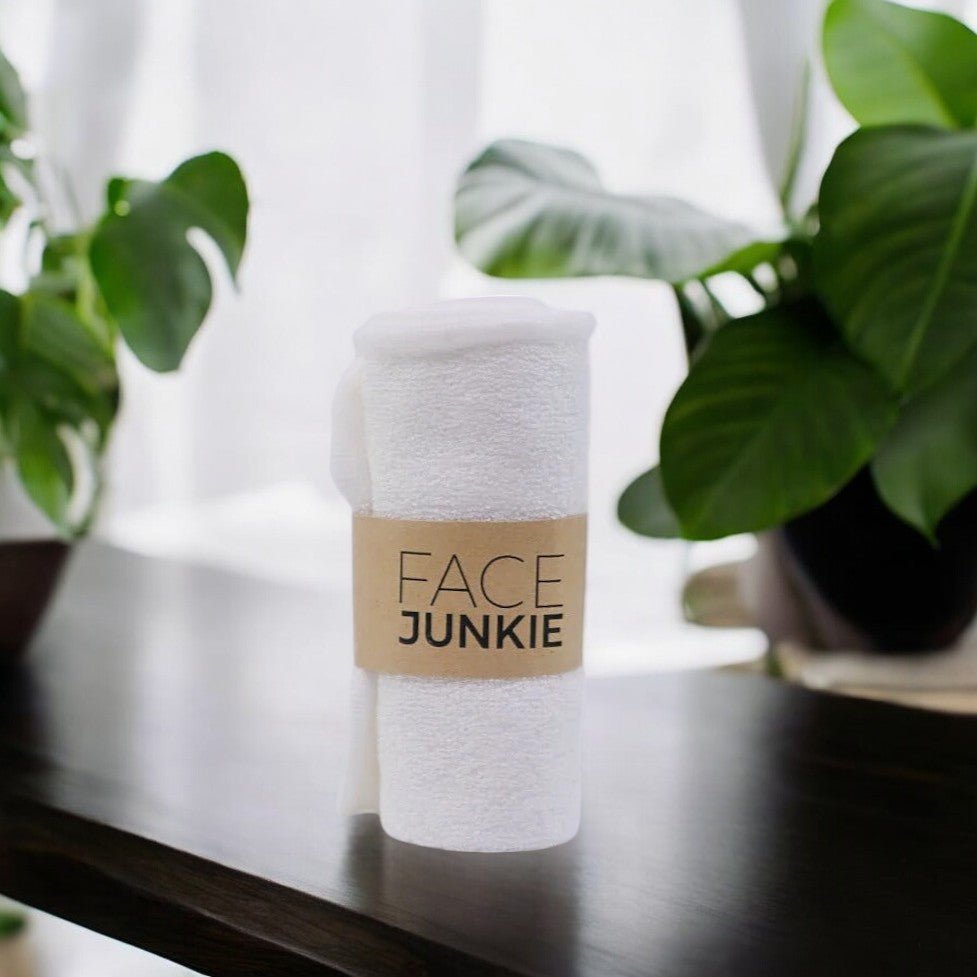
[[352, 121]]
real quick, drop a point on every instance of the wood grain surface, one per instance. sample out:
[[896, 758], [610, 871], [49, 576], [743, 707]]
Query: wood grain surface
[[170, 754]]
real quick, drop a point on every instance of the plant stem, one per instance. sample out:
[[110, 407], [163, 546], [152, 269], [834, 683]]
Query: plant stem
[[692, 330], [756, 286], [798, 138], [719, 310]]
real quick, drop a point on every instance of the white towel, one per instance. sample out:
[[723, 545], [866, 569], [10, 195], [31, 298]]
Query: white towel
[[474, 410]]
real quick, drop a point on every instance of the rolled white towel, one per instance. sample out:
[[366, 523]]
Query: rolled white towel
[[472, 410]]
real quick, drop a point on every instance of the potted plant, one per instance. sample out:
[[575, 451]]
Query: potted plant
[[838, 418], [131, 276]]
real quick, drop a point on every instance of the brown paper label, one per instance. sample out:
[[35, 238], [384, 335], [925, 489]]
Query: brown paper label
[[469, 599]]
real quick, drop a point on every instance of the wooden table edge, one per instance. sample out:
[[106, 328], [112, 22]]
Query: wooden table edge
[[197, 912]]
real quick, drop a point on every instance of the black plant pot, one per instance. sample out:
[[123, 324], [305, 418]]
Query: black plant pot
[[866, 579], [29, 574]]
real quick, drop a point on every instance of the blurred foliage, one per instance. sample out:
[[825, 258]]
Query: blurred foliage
[[12, 922], [129, 276], [864, 349]]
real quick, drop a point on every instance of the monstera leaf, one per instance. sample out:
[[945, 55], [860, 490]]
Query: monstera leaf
[[134, 273], [56, 380], [773, 418], [43, 463], [155, 285], [525, 210], [13, 124], [896, 256], [64, 366], [891, 64]]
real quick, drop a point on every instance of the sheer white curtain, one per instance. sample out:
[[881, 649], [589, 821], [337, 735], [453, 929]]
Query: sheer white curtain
[[351, 121]]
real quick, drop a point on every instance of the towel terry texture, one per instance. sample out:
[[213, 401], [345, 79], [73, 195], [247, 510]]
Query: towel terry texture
[[469, 410]]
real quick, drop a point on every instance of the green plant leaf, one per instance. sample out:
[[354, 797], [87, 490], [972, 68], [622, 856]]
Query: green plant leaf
[[43, 464], [928, 461], [59, 390], [64, 366], [896, 255], [53, 331], [526, 210], [11, 923], [9, 201], [50, 359], [644, 509], [10, 129], [13, 102], [62, 398], [154, 283], [890, 64], [773, 418], [9, 331], [9, 160], [216, 199], [745, 260]]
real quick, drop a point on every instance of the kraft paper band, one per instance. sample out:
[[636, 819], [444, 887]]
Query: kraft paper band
[[469, 599]]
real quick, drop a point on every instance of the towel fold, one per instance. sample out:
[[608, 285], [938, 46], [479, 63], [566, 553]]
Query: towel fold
[[469, 410]]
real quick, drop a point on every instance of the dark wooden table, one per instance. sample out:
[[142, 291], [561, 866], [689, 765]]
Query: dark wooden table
[[171, 751]]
